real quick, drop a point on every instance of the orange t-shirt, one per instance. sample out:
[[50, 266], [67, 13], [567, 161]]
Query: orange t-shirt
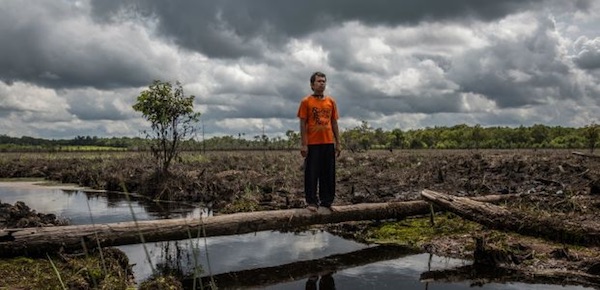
[[318, 113]]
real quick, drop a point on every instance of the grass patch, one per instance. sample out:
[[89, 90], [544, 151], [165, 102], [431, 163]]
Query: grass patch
[[84, 272], [418, 230], [246, 202]]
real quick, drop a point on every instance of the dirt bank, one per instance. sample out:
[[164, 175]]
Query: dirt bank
[[273, 178], [554, 183]]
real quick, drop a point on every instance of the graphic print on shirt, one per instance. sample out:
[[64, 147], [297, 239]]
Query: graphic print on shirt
[[321, 116]]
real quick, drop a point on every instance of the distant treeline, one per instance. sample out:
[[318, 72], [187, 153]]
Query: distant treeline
[[360, 138]]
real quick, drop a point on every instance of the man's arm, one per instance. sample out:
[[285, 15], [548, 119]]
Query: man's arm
[[336, 136], [303, 138]]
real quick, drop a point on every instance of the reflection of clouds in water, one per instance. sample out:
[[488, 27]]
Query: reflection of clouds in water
[[248, 251], [266, 249], [77, 206], [406, 271], [411, 265], [43, 200], [138, 258], [259, 247], [306, 244]]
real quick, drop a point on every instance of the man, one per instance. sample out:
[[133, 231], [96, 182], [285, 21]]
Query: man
[[320, 139]]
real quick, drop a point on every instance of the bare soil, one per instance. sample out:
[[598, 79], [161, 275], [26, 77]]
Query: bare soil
[[552, 183]]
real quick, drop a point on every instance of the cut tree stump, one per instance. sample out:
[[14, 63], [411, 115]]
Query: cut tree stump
[[496, 217], [42, 240]]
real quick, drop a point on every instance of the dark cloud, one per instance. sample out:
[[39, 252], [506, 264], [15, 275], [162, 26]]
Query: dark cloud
[[236, 28], [5, 112], [587, 53], [91, 111], [528, 70], [46, 43], [275, 93], [252, 107], [80, 64]]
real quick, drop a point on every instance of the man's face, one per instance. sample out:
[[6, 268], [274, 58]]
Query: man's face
[[319, 85]]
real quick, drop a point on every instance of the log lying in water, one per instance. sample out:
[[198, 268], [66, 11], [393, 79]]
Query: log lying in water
[[262, 277], [506, 275], [38, 241], [496, 217]]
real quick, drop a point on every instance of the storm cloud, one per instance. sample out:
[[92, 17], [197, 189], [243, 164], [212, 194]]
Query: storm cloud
[[75, 67]]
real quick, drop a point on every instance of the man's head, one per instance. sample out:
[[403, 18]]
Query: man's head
[[318, 81]]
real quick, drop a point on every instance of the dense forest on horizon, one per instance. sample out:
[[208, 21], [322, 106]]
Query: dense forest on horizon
[[360, 138]]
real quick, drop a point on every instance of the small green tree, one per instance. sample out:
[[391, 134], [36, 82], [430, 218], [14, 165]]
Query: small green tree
[[172, 119]]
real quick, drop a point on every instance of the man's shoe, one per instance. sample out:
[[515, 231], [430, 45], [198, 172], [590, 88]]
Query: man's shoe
[[329, 207], [312, 207]]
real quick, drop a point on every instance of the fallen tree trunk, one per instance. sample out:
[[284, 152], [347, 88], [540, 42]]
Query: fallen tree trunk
[[496, 217], [41, 240], [585, 154], [36, 241], [262, 277], [505, 275]]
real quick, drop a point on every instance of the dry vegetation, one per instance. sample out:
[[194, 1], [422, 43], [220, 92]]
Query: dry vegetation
[[551, 183]]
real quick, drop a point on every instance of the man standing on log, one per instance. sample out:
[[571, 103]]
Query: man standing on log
[[320, 139]]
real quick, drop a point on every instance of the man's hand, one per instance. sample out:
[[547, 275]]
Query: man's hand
[[304, 150], [338, 150]]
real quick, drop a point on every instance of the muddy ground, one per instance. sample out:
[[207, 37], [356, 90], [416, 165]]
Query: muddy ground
[[554, 183], [274, 179]]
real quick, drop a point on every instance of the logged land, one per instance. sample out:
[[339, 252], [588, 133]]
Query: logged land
[[555, 185]]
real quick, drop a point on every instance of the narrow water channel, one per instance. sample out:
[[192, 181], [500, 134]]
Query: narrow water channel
[[269, 260]]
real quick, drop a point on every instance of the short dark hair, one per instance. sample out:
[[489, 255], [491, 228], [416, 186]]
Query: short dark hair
[[315, 75]]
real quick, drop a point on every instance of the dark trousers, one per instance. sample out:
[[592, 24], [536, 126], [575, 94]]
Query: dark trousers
[[319, 172]]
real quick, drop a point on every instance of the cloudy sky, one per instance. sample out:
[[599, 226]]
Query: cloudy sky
[[74, 68]]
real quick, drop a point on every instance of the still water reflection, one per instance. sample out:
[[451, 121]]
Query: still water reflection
[[271, 251], [81, 207]]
